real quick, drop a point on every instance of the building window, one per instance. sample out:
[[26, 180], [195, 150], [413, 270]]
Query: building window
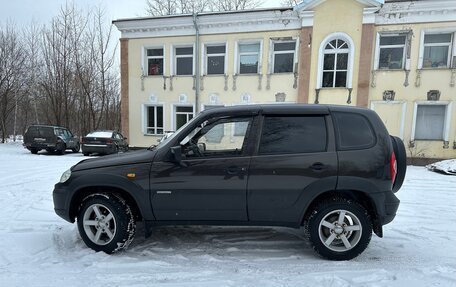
[[215, 59], [437, 50], [154, 58], [430, 122], [183, 115], [154, 120], [283, 56], [335, 64], [249, 58], [184, 60], [392, 50]]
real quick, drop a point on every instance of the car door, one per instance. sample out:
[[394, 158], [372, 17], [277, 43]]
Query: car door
[[69, 139], [296, 157], [211, 181]]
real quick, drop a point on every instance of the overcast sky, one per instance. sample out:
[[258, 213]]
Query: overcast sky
[[22, 12]]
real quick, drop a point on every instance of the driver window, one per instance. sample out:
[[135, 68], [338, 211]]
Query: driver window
[[224, 137]]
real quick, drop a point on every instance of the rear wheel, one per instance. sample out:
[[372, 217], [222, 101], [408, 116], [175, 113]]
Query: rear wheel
[[76, 149], [106, 223], [85, 154], [61, 147], [34, 150], [339, 229]]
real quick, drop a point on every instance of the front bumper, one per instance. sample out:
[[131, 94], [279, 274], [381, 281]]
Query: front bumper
[[61, 204]]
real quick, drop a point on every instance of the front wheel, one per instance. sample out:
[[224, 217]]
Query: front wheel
[[76, 149], [339, 229], [106, 223]]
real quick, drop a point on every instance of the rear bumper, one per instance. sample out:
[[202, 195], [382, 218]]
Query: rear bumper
[[98, 148], [387, 205], [39, 145]]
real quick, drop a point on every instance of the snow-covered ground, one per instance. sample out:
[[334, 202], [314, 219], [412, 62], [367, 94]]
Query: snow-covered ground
[[37, 248]]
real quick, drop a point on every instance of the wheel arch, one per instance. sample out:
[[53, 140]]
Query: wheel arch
[[82, 193], [359, 196]]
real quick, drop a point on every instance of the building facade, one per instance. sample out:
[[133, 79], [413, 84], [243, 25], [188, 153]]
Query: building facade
[[397, 58]]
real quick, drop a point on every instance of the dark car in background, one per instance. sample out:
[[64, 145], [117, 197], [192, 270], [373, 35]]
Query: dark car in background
[[53, 139], [103, 142]]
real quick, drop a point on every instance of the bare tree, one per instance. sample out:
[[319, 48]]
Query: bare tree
[[12, 58], [173, 7], [290, 3]]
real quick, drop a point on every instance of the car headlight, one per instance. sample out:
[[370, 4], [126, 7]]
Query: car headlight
[[65, 176]]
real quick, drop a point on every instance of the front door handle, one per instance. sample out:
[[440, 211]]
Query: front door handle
[[232, 170]]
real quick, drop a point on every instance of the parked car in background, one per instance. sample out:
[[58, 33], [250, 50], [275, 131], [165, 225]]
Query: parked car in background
[[53, 139], [103, 142]]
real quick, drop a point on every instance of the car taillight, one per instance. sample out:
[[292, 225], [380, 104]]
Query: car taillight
[[109, 141], [393, 167], [81, 140]]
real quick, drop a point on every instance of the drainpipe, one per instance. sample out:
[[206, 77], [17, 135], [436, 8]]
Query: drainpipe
[[197, 66]]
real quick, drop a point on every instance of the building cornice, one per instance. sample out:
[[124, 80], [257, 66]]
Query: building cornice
[[217, 23], [416, 12]]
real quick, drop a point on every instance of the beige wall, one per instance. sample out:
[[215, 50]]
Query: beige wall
[[253, 85], [334, 16], [416, 91]]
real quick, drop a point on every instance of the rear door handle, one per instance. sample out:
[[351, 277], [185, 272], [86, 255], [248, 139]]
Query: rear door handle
[[235, 170], [318, 166]]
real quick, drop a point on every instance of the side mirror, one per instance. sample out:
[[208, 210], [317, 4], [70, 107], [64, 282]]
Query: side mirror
[[176, 152]]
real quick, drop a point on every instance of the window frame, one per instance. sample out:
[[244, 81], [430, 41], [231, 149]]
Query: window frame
[[174, 113], [146, 60], [335, 51], [447, 119], [205, 56], [174, 58], [272, 54], [145, 119], [238, 54], [451, 63], [404, 52], [351, 46]]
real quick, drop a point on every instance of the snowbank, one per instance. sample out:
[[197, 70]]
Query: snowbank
[[444, 166], [38, 248]]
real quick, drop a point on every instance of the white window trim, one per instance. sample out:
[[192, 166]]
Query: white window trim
[[405, 62], [272, 54], [203, 71], [448, 113], [144, 118], [452, 49], [237, 56], [351, 58], [404, 111], [173, 57], [173, 114], [144, 60]]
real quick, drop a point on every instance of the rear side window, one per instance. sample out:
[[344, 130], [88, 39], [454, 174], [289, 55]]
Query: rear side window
[[293, 134], [353, 131]]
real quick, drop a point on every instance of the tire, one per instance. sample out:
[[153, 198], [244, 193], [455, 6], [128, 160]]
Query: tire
[[401, 160], [61, 149], [33, 150], [85, 154], [114, 231], [329, 234], [76, 149]]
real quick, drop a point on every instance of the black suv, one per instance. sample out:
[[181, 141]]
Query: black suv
[[53, 139], [332, 169]]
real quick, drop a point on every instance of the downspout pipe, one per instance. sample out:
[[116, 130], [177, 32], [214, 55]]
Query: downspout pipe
[[197, 66]]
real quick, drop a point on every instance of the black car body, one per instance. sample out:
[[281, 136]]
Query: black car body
[[103, 142], [53, 139], [276, 165]]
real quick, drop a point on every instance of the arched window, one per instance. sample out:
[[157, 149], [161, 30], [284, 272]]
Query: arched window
[[336, 62]]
